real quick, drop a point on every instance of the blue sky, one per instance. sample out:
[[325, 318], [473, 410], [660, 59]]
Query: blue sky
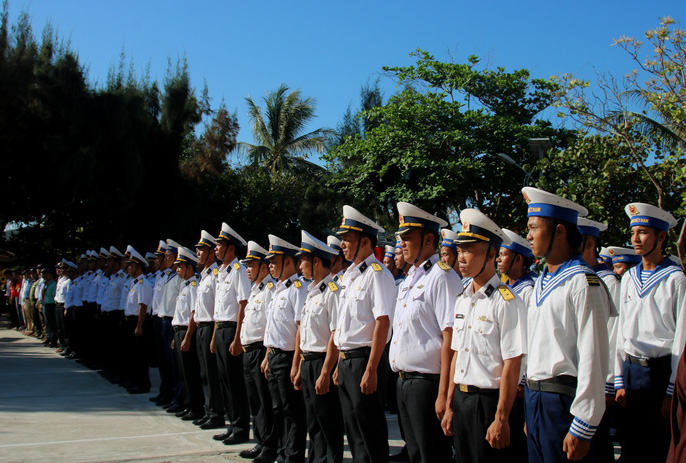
[[329, 49]]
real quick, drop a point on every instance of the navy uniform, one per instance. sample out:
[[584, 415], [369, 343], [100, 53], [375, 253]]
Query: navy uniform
[[316, 327], [335, 243], [203, 314], [185, 332], [448, 248], [252, 340], [113, 313], [489, 337], [367, 295], [623, 259], [650, 341], [567, 344], [283, 315], [232, 291], [524, 285], [422, 318]]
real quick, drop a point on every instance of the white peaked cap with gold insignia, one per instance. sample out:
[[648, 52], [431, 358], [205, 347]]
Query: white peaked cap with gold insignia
[[476, 226], [228, 233], [161, 247], [135, 256], [649, 216], [413, 217], [206, 240], [544, 204], [334, 243], [173, 246], [353, 220], [255, 252], [518, 243], [186, 256], [114, 252], [449, 238], [149, 256], [315, 247], [104, 253], [278, 246]]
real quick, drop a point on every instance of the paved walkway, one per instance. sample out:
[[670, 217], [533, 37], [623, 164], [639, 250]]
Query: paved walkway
[[55, 410]]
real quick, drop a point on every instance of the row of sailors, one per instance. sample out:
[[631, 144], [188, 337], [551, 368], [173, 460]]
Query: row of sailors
[[313, 358]]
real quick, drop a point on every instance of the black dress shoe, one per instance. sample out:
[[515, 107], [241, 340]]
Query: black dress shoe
[[162, 401], [400, 456], [252, 453], [176, 408], [235, 439], [168, 404], [182, 413], [216, 424], [223, 435], [265, 456], [201, 420], [154, 398]]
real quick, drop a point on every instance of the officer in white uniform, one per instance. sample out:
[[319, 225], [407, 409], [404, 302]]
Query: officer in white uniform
[[338, 264], [567, 340], [365, 309], [489, 339], [623, 259], [448, 250], [319, 353], [113, 314], [138, 300], [233, 290], [252, 339], [283, 355], [422, 333], [185, 336], [203, 315], [651, 335], [514, 260]]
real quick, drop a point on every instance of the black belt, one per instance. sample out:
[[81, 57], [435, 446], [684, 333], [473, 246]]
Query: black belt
[[648, 362], [356, 353], [179, 328], [276, 350], [405, 375], [563, 384], [204, 324], [167, 318], [313, 355], [473, 389], [253, 346], [227, 324]]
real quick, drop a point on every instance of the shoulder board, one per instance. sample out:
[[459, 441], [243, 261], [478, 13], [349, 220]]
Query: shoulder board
[[270, 285], [215, 272], [443, 266], [506, 293], [592, 280], [140, 280], [376, 267], [297, 284], [333, 286], [194, 283], [237, 266]]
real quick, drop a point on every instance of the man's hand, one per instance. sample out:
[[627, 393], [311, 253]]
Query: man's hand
[[138, 332], [620, 397], [368, 383], [295, 377], [440, 406], [498, 434], [172, 344], [185, 345], [213, 346], [236, 348], [576, 449], [335, 376], [323, 383], [264, 366], [447, 422]]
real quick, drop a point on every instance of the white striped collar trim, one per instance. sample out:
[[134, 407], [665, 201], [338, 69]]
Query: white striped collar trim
[[557, 280], [658, 275]]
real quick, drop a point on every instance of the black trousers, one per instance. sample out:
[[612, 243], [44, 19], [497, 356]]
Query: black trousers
[[51, 320], [232, 382], [136, 353], [289, 408], [363, 414], [264, 427], [166, 385], [324, 415], [37, 319], [59, 316], [209, 373], [426, 442], [473, 413], [189, 368]]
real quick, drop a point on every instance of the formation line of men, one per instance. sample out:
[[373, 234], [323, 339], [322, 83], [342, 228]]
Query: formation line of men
[[489, 366]]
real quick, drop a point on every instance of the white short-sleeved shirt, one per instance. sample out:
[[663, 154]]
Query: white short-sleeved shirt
[[171, 286], [651, 317], [367, 293], [103, 283], [285, 307], [139, 293], [423, 309], [86, 283], [158, 289], [567, 335], [113, 292], [61, 290], [318, 317], [204, 302], [94, 286], [489, 328], [69, 294], [233, 286], [77, 288], [255, 320], [185, 302], [125, 287]]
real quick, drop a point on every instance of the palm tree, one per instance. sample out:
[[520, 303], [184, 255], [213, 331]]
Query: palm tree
[[280, 143]]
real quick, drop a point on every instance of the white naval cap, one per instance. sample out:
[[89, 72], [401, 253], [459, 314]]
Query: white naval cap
[[449, 238], [315, 247], [82, 257], [605, 255], [255, 252], [70, 264], [277, 246], [149, 256], [649, 216], [128, 250], [390, 251], [517, 244], [91, 255], [590, 227], [353, 220], [114, 252], [173, 246], [229, 234], [476, 226], [334, 243], [104, 253], [413, 217], [186, 256], [161, 247], [620, 254], [544, 204], [135, 256], [206, 240]]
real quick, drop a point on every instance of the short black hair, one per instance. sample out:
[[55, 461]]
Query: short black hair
[[325, 262]]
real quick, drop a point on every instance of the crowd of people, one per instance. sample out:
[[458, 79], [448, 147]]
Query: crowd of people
[[484, 360]]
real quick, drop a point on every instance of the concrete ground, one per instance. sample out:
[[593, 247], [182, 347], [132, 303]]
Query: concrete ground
[[55, 410]]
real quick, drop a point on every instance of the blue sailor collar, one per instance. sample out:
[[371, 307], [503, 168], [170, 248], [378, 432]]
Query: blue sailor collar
[[524, 282], [602, 271], [663, 269], [568, 269]]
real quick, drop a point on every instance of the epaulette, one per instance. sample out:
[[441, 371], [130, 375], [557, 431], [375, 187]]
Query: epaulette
[[140, 280], [270, 285], [215, 272], [333, 286], [592, 280], [236, 265], [505, 292], [260, 286], [194, 283], [376, 267], [297, 284], [443, 266]]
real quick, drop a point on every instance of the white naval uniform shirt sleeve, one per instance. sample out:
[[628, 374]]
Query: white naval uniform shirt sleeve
[[613, 288], [68, 294], [255, 320], [297, 297], [140, 293], [678, 293], [203, 308], [185, 302]]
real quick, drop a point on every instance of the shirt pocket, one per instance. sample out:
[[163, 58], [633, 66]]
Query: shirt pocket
[[484, 335], [362, 304]]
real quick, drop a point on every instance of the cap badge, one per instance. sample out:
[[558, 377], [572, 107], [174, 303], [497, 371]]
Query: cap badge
[[526, 197], [632, 210], [402, 219], [465, 227], [612, 253]]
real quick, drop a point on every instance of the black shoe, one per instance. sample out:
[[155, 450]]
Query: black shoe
[[400, 456], [235, 439], [265, 456], [169, 404], [223, 435], [155, 398], [182, 413], [252, 453], [162, 401], [176, 408], [71, 356], [193, 416], [217, 423], [201, 420]]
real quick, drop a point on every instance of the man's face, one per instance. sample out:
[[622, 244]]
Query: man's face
[[349, 242], [643, 239], [220, 249], [389, 263], [538, 236], [130, 268], [306, 266], [470, 257], [109, 263], [505, 259], [620, 268], [399, 258], [169, 258], [410, 244], [448, 255], [275, 265], [203, 253], [253, 267], [182, 270]]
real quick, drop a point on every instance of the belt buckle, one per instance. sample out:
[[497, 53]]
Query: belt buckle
[[302, 356], [464, 388], [244, 349], [343, 355], [402, 375], [643, 362]]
